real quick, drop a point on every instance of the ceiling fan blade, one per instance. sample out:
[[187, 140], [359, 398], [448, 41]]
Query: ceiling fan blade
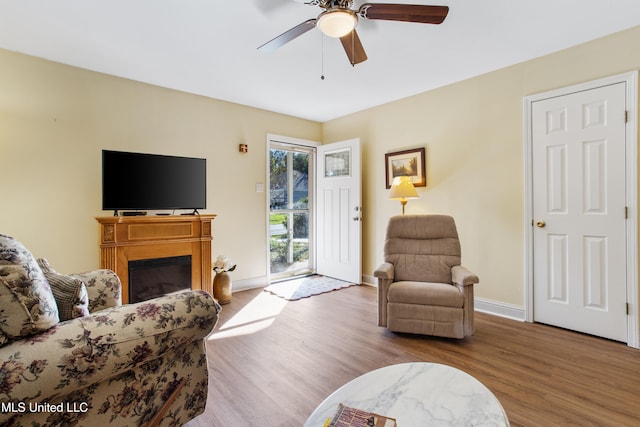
[[404, 12], [287, 36], [353, 48]]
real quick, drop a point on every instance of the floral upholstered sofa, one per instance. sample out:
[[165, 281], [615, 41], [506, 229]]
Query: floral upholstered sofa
[[72, 354]]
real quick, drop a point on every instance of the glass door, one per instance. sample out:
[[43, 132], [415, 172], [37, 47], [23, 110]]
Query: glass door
[[290, 205]]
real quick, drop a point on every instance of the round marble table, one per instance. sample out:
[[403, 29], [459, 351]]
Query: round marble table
[[417, 394]]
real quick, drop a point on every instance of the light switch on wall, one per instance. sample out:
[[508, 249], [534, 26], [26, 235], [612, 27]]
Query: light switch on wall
[[259, 187]]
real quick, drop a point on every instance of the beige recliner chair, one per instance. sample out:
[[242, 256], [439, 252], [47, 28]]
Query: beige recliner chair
[[422, 288]]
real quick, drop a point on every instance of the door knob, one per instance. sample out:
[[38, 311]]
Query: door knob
[[540, 224]]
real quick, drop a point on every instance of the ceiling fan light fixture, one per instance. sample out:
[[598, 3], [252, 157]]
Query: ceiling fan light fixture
[[337, 22]]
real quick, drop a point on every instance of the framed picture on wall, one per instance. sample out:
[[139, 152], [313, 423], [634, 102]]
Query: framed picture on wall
[[406, 163]]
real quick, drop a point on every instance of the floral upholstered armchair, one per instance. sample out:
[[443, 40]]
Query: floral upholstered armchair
[[72, 354]]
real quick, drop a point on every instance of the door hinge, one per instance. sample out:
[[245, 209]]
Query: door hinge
[[627, 309], [626, 212], [626, 116]]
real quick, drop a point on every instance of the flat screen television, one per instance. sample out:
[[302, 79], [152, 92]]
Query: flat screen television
[[137, 181]]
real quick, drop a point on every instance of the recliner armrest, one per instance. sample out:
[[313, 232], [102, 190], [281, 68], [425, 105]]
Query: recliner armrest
[[385, 274], [385, 271], [462, 276]]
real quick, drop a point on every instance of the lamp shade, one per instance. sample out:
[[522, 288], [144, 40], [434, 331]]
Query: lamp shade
[[337, 22], [402, 188]]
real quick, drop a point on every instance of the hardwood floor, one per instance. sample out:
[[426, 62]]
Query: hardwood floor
[[271, 362]]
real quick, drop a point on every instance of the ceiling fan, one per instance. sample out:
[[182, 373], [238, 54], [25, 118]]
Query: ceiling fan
[[338, 20]]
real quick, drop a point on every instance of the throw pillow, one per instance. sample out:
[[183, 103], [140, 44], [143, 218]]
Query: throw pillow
[[27, 305], [70, 292], [103, 287]]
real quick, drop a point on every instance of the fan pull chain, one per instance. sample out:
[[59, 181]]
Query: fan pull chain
[[322, 57], [353, 48]]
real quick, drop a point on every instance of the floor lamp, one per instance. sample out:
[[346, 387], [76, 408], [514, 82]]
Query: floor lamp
[[402, 189]]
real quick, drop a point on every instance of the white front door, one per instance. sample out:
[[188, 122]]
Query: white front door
[[579, 220], [339, 217]]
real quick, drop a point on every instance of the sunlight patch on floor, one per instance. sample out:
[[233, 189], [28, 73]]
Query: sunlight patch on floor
[[259, 314]]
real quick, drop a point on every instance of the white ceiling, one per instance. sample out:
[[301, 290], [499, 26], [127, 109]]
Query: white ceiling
[[208, 47]]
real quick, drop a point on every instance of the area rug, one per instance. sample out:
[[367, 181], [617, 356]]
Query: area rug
[[305, 287]]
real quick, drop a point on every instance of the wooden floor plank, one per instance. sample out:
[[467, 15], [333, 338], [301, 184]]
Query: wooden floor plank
[[271, 362]]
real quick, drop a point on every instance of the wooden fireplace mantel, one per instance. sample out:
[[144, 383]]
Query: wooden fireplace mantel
[[132, 238]]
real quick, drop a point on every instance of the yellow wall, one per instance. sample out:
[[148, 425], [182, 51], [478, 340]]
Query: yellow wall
[[473, 133], [56, 119]]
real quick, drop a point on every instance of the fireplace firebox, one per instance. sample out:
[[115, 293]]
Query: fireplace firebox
[[151, 278]]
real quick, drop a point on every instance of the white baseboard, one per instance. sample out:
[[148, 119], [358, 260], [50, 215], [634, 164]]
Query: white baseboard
[[369, 280], [501, 309], [251, 283], [496, 308]]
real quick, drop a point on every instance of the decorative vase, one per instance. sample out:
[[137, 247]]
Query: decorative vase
[[222, 287]]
